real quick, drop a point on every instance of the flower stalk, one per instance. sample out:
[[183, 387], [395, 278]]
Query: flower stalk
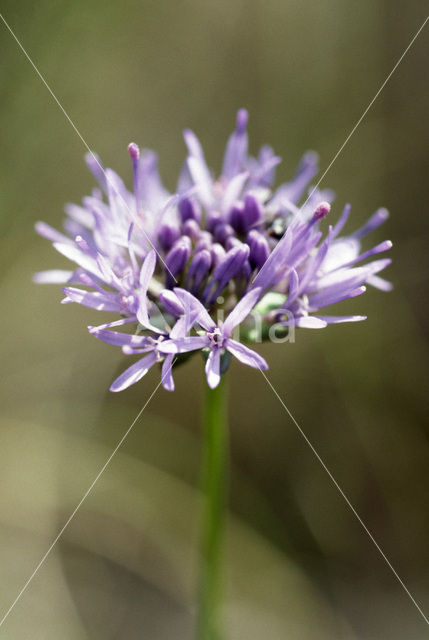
[[214, 484]]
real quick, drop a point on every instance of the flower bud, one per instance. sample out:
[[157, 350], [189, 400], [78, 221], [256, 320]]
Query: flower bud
[[199, 268], [177, 258], [168, 234], [171, 303], [188, 210], [259, 248]]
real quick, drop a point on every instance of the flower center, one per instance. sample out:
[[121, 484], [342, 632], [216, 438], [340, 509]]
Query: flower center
[[216, 337]]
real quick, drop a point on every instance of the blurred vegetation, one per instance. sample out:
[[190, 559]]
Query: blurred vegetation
[[298, 563]]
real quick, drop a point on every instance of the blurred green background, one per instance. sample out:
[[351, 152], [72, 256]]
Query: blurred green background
[[298, 563]]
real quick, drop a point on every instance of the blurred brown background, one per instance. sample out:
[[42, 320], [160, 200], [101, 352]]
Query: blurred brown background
[[299, 565]]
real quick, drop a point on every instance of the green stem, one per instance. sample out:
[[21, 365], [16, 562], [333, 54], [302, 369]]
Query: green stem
[[215, 446]]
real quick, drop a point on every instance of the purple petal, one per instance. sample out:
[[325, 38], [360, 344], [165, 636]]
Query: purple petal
[[94, 165], [120, 339], [183, 345], [167, 373], [115, 323], [213, 368], [314, 263], [233, 191], [341, 221], [339, 319], [273, 269], [326, 298], [236, 150], [79, 257], [80, 215], [292, 191], [379, 248], [134, 373], [375, 221], [201, 177], [293, 286], [352, 277], [198, 168], [191, 304], [262, 172], [93, 299], [48, 232], [241, 311], [151, 192], [53, 276], [310, 322], [146, 272], [246, 355], [380, 283], [305, 322], [184, 324], [342, 252]]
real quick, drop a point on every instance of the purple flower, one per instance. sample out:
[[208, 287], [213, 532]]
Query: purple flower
[[216, 337], [172, 266]]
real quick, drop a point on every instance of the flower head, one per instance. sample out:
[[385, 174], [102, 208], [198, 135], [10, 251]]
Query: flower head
[[174, 265]]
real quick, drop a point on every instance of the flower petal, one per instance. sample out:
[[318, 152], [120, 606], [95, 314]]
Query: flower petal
[[310, 322], [274, 267], [79, 257], [305, 322], [380, 283], [236, 150], [115, 323], [339, 319], [92, 299], [53, 276], [46, 231], [241, 311], [146, 273], [120, 339], [192, 304], [246, 355], [213, 368], [167, 373], [183, 345], [233, 191], [134, 373]]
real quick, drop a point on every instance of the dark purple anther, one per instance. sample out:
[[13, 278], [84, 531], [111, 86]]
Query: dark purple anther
[[171, 303], [188, 210], [177, 258], [259, 248], [168, 235]]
